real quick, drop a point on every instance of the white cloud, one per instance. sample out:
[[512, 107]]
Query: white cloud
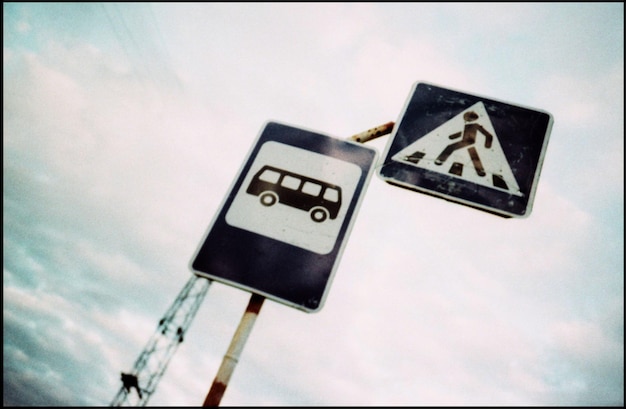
[[111, 180], [23, 27]]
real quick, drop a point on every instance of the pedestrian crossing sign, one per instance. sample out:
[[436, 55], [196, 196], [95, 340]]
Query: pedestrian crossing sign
[[468, 149]]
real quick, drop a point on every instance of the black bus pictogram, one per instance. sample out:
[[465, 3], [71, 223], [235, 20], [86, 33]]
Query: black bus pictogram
[[320, 199]]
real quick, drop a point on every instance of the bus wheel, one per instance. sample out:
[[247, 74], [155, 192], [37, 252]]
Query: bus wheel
[[268, 198], [319, 214]]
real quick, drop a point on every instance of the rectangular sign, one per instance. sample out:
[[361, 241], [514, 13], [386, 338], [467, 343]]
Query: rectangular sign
[[468, 149], [284, 223]]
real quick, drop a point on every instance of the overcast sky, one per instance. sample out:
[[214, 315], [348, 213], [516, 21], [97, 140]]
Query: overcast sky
[[124, 126]]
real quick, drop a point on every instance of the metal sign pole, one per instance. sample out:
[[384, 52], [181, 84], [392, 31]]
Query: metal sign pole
[[373, 133], [231, 358]]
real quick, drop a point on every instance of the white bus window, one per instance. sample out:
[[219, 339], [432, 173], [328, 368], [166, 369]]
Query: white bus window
[[331, 194], [269, 176], [290, 182], [312, 189]]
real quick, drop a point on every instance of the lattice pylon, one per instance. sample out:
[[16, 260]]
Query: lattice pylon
[[139, 385]]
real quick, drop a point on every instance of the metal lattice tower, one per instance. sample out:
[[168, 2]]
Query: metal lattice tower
[[153, 360]]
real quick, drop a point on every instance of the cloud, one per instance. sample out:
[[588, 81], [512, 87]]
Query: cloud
[[111, 177], [586, 362]]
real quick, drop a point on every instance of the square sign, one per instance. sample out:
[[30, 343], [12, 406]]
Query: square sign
[[468, 149], [284, 223]]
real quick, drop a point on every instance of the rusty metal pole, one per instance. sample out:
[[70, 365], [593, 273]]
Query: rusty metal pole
[[373, 133], [231, 358]]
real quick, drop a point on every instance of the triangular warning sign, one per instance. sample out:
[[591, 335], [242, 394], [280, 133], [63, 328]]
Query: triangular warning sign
[[465, 147]]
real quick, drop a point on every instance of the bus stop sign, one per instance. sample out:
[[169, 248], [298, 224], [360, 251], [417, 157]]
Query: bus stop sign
[[284, 223], [465, 148]]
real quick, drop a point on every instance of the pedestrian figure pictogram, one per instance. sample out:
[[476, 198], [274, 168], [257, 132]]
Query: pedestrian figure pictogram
[[468, 138], [478, 149]]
